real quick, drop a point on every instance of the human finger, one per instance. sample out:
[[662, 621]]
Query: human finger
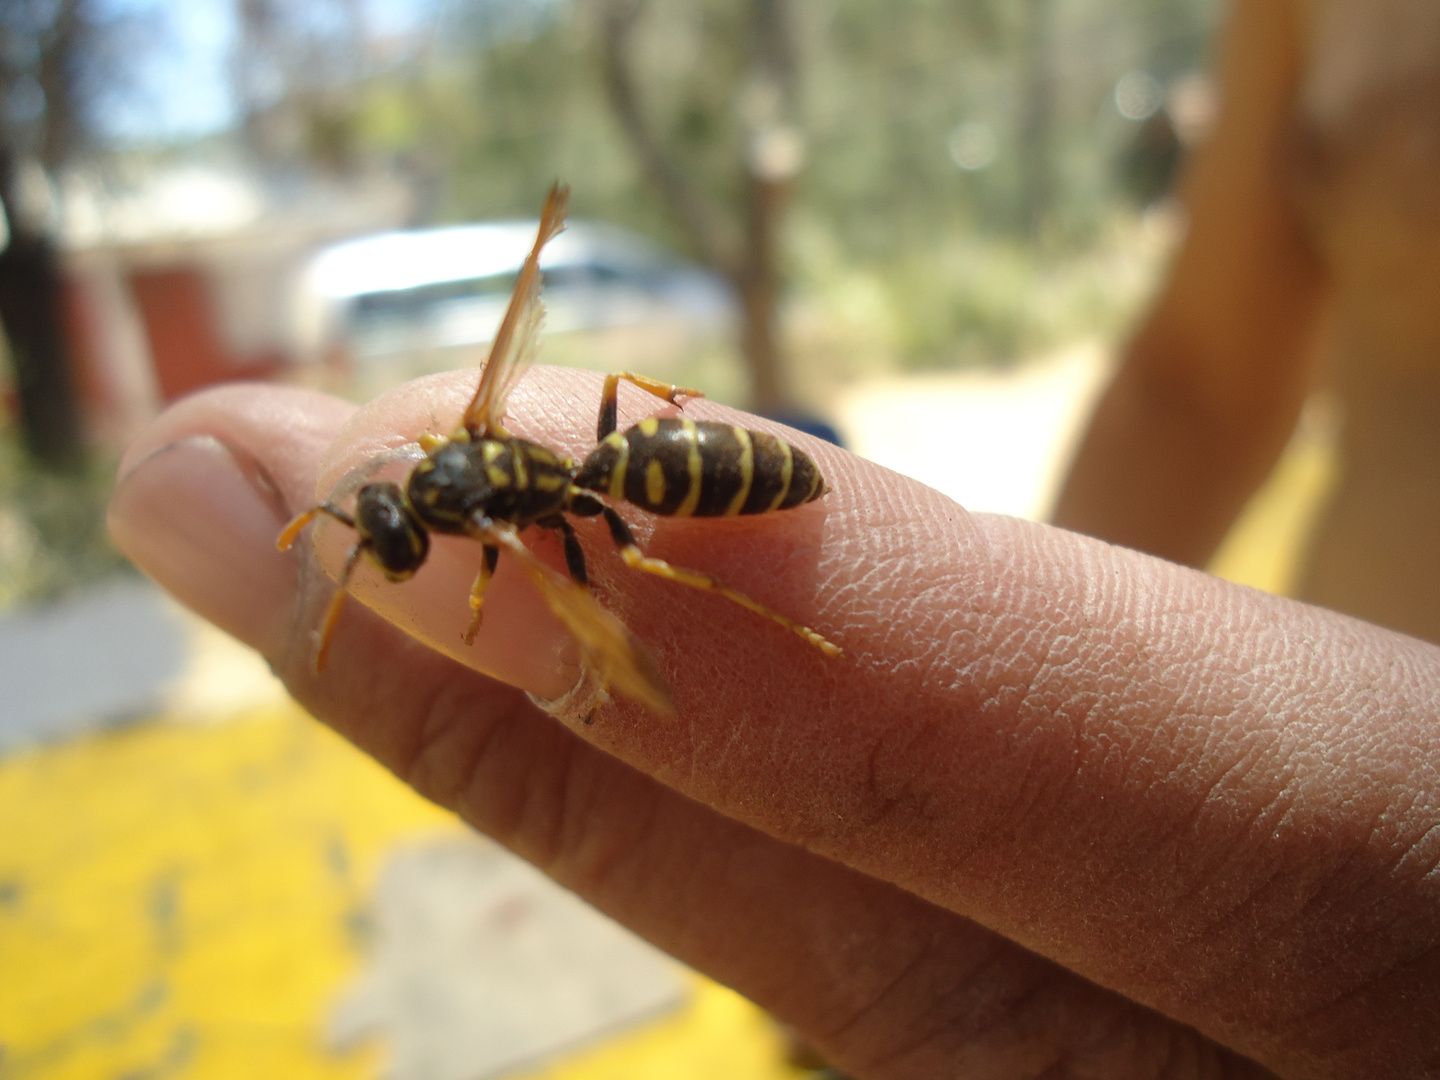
[[1077, 746], [1218, 802], [886, 983]]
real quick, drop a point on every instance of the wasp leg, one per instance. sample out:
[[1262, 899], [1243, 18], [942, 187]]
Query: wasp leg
[[288, 534], [286, 540], [574, 553], [610, 395], [332, 611], [477, 591], [638, 560]]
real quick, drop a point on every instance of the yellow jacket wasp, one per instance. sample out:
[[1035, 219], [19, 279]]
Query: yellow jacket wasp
[[484, 483]]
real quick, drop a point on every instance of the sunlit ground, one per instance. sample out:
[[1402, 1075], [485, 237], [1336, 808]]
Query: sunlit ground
[[195, 895], [193, 900]]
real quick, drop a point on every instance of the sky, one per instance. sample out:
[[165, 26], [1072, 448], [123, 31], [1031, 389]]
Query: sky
[[182, 88]]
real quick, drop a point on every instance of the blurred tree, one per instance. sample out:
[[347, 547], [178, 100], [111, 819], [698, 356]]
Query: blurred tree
[[1037, 116], [47, 67], [294, 70], [61, 63], [1147, 168], [31, 313], [738, 235], [940, 140]]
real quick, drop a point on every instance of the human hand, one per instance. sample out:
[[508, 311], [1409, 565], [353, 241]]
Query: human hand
[[1060, 809]]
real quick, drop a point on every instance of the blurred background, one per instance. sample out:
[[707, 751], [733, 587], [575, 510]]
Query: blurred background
[[922, 226]]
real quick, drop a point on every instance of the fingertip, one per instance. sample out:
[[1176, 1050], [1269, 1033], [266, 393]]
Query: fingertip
[[195, 516], [284, 430]]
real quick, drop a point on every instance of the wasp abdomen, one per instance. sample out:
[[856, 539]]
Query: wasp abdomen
[[697, 468]]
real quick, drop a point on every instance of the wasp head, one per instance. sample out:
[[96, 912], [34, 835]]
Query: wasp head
[[389, 531]]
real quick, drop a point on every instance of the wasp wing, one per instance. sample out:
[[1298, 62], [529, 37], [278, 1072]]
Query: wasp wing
[[372, 468], [605, 643], [513, 349]]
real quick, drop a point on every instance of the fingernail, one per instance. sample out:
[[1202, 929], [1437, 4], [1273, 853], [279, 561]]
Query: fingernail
[[196, 518]]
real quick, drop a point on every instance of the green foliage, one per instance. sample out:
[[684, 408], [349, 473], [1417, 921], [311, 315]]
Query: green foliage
[[976, 264], [976, 301], [52, 525]]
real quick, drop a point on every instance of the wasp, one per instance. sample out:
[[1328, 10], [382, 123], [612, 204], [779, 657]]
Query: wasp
[[486, 484]]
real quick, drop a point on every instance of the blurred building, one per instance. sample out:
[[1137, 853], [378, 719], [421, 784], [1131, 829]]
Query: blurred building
[[187, 279], [201, 276]]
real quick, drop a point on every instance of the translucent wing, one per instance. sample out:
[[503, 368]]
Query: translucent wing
[[373, 468], [513, 349], [605, 644]]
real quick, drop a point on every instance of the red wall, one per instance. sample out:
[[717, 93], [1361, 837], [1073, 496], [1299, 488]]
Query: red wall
[[184, 334]]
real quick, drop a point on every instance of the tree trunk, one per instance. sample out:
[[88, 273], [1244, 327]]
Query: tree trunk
[[758, 283], [31, 311], [1037, 115], [746, 255]]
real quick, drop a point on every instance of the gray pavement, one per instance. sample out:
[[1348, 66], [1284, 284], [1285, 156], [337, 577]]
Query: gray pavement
[[481, 965], [102, 657]]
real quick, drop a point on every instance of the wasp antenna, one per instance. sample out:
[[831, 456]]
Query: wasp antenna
[[332, 610], [287, 536]]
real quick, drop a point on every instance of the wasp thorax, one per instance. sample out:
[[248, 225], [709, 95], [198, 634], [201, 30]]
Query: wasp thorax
[[448, 486], [389, 530]]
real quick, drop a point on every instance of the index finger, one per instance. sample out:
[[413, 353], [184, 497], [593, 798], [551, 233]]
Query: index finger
[[1218, 801]]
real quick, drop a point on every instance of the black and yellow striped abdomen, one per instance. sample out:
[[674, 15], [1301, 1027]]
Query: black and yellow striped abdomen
[[697, 468]]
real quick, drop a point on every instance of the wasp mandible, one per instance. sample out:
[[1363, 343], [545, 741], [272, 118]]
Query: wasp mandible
[[484, 483]]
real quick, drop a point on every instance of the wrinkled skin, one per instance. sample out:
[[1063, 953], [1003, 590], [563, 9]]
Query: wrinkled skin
[[1060, 810]]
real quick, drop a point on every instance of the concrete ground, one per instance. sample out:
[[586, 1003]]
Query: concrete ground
[[997, 441]]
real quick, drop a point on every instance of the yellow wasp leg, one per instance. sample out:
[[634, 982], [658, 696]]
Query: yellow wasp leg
[[287, 539], [609, 396], [332, 610], [638, 560], [616, 658], [477, 592]]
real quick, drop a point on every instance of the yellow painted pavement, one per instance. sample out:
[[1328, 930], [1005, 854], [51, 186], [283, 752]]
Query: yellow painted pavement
[[188, 901]]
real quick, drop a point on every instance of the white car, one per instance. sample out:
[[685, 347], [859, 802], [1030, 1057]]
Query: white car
[[402, 303]]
